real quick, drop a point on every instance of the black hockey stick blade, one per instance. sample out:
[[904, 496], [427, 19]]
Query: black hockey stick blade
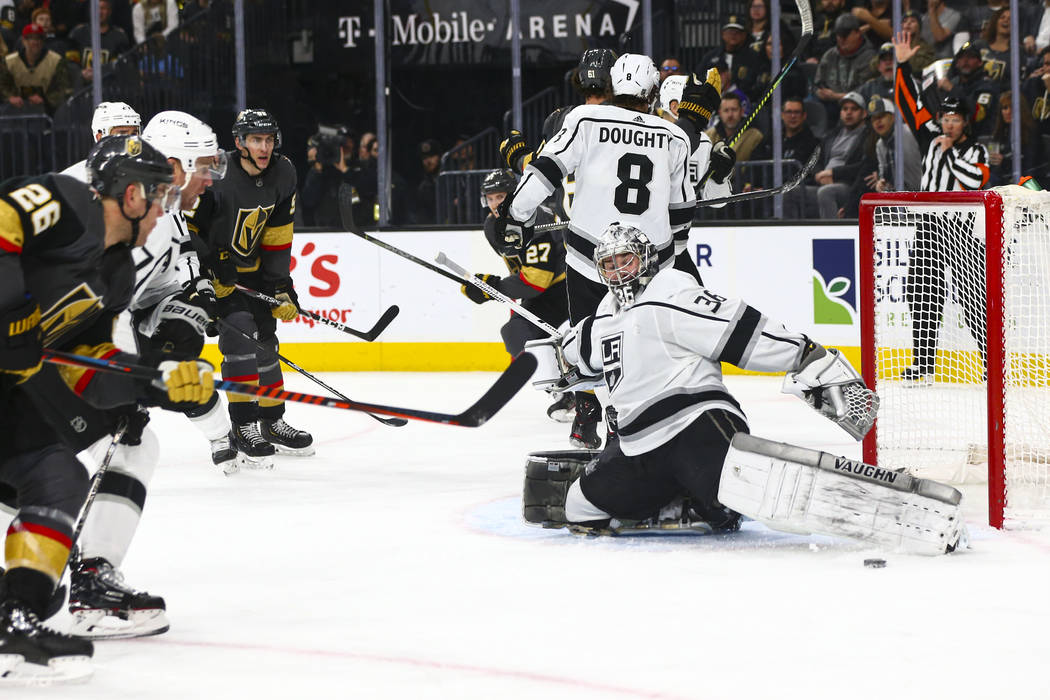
[[389, 315], [771, 192], [368, 335]]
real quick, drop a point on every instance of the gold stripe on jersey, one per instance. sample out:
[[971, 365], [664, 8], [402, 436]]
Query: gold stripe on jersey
[[277, 237], [11, 236], [73, 307], [251, 268], [536, 277], [73, 376]]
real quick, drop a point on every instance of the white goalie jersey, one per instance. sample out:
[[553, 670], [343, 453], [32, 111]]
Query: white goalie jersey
[[630, 167], [660, 356]]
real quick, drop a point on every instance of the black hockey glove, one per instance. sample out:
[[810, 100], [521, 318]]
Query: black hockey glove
[[20, 342], [224, 272], [723, 158], [475, 294], [284, 292], [512, 235], [200, 293], [701, 99], [514, 151]]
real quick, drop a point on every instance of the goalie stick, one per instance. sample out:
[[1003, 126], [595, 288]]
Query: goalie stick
[[495, 398], [547, 328], [395, 422], [368, 335]]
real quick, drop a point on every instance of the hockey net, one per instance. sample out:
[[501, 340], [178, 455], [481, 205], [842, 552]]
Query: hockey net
[[952, 282]]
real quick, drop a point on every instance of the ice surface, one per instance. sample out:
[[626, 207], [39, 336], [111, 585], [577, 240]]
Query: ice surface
[[394, 564]]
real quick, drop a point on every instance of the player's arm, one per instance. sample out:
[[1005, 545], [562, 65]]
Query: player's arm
[[20, 341], [538, 272], [682, 204], [559, 157], [276, 250], [910, 102], [581, 353]]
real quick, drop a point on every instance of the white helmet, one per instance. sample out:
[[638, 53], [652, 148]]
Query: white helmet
[[184, 137], [671, 91], [109, 115], [635, 75]]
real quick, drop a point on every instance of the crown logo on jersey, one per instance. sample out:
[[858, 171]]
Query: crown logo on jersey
[[133, 146]]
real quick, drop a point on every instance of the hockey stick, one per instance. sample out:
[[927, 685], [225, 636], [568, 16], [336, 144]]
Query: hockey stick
[[773, 191], [369, 335], [547, 328], [495, 398], [395, 422]]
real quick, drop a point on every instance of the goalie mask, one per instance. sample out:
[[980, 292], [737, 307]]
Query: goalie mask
[[626, 262]]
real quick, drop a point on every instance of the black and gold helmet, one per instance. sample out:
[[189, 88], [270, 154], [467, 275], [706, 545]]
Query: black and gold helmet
[[118, 161], [256, 121]]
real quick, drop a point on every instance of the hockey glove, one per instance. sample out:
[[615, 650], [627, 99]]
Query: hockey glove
[[723, 158], [700, 100], [224, 273], [20, 342], [512, 235], [184, 382], [200, 293], [827, 382], [514, 152], [475, 294], [289, 307]]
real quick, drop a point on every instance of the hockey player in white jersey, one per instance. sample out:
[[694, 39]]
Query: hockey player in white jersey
[[629, 166], [707, 185], [656, 341], [170, 308], [109, 119]]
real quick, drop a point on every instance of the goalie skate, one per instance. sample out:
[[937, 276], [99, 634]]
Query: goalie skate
[[32, 654], [676, 518], [104, 607]]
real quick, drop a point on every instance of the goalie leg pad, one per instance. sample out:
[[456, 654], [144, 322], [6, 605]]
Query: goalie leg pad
[[799, 490], [548, 476]]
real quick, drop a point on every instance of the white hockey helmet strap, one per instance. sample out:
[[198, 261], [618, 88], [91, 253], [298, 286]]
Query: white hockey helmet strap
[[671, 90], [109, 115], [635, 75], [186, 138]]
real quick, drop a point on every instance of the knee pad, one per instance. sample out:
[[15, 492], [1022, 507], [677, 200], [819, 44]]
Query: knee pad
[[548, 476], [57, 481], [232, 344], [137, 461]]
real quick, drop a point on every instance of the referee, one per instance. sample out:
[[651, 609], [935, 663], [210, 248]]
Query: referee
[[953, 162]]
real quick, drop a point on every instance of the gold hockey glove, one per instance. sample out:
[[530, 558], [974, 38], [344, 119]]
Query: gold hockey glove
[[189, 381], [700, 100]]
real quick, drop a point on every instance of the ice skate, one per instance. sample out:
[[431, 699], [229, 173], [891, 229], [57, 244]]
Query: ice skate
[[253, 451], [104, 607], [286, 439], [563, 410], [32, 654], [224, 454], [917, 376]]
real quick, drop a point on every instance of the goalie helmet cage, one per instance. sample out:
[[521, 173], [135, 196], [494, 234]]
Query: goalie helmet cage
[[986, 254]]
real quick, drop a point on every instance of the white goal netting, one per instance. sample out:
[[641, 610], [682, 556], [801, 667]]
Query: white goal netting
[[934, 309]]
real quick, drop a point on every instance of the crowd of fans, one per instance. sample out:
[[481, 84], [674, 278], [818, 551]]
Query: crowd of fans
[[46, 44]]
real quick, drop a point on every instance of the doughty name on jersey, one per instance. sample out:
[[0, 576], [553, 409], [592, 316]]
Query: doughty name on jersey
[[645, 138]]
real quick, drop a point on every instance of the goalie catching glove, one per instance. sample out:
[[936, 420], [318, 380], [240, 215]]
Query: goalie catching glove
[[827, 382], [477, 295], [289, 306], [701, 99], [186, 382]]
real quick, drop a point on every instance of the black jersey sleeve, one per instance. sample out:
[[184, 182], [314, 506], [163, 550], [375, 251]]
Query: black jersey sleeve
[[276, 246]]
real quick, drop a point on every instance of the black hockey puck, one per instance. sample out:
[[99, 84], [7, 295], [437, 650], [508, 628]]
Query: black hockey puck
[[875, 563]]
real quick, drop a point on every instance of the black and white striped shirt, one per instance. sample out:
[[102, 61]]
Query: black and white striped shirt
[[961, 167]]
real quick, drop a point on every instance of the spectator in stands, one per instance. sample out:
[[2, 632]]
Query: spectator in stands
[[1000, 145], [824, 29], [877, 170], [153, 16], [939, 25], [730, 88], [35, 80], [426, 204], [799, 141], [1036, 30], [760, 28], [1037, 89], [730, 119], [670, 66], [882, 83], [740, 60], [978, 15], [114, 40], [845, 67], [368, 148], [461, 155], [42, 18], [876, 20], [7, 28], [327, 152], [843, 153], [967, 83], [994, 46], [793, 83], [911, 22]]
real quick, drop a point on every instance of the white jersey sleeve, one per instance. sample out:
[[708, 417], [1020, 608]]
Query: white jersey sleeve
[[78, 170], [629, 167], [163, 265], [699, 164], [661, 357]]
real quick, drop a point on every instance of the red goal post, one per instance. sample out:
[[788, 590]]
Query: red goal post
[[955, 294]]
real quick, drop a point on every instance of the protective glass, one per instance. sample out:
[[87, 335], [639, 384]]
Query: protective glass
[[166, 194]]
